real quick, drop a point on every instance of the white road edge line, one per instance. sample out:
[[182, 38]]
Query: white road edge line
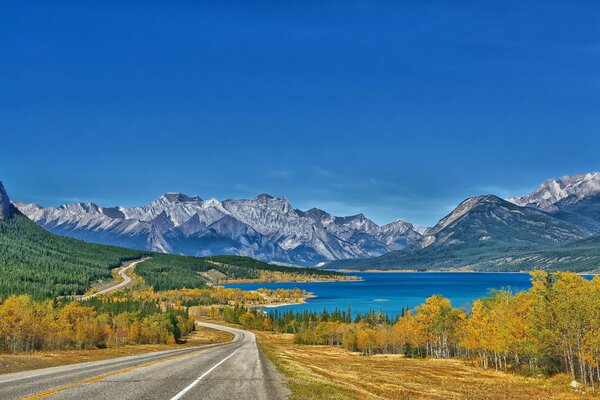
[[191, 385]]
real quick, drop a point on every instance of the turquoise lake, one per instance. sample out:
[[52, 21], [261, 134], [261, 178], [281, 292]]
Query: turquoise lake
[[389, 291]]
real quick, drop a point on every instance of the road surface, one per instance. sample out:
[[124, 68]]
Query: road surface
[[126, 280], [235, 370]]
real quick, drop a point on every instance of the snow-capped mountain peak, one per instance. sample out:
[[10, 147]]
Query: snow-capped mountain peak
[[265, 227], [177, 197], [570, 188]]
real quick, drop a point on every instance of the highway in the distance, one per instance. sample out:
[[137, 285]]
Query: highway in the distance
[[236, 370], [125, 279]]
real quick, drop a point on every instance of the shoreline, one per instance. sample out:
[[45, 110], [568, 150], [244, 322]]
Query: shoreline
[[313, 296], [300, 301], [255, 281], [409, 271], [412, 271]]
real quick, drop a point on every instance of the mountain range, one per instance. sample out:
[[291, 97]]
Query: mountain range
[[265, 227], [480, 229], [549, 227], [555, 226]]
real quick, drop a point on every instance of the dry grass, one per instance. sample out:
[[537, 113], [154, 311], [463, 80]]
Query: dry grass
[[43, 359], [322, 372]]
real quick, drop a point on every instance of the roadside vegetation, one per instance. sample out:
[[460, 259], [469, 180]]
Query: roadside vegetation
[[138, 315], [321, 372], [15, 362], [28, 325], [552, 329]]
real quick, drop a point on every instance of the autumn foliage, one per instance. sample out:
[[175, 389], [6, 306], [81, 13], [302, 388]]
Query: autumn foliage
[[554, 327], [29, 325]]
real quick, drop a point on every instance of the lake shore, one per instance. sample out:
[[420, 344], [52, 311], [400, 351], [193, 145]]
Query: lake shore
[[390, 292], [258, 281], [412, 271], [294, 303]]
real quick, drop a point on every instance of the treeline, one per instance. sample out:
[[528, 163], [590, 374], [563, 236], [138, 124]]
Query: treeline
[[554, 327], [172, 272], [249, 264], [215, 295], [169, 272], [45, 265], [29, 325]]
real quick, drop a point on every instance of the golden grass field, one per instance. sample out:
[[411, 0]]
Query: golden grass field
[[323, 372], [43, 359]]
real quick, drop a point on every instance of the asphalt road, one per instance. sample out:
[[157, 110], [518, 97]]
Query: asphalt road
[[235, 370], [126, 280]]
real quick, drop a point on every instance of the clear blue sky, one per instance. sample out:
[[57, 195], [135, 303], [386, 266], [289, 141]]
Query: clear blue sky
[[397, 109]]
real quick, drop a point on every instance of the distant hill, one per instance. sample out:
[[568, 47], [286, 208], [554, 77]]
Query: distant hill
[[482, 233], [579, 256]]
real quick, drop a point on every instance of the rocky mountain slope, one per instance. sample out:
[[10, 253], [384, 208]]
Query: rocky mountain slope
[[481, 228], [575, 199], [4, 204], [264, 227], [554, 192]]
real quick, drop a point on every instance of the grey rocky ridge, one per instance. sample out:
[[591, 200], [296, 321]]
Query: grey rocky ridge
[[571, 198], [264, 227], [5, 206]]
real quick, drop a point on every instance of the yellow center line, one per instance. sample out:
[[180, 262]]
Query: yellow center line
[[100, 377]]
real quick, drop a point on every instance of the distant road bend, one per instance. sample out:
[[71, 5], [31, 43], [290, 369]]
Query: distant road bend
[[235, 370], [123, 274]]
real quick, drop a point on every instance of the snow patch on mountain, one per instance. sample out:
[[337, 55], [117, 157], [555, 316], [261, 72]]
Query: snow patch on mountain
[[568, 188]]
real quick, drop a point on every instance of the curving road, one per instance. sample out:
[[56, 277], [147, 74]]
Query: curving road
[[235, 370], [123, 274]]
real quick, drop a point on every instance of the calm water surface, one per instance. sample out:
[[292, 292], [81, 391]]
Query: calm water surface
[[389, 291]]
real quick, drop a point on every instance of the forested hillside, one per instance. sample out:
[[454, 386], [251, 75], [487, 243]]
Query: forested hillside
[[42, 264], [244, 267], [579, 256], [167, 271]]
